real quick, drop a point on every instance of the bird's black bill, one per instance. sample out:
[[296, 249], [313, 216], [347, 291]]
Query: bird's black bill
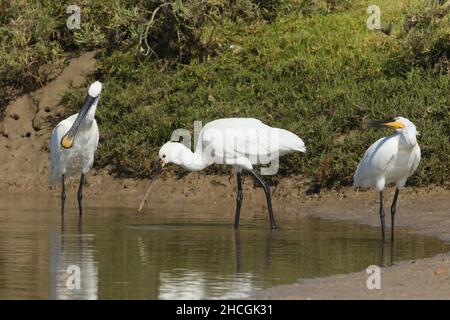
[[157, 173], [379, 123], [69, 138], [388, 123]]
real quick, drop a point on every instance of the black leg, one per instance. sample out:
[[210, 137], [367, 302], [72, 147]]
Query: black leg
[[393, 209], [381, 256], [62, 225], [269, 249], [392, 253], [266, 189], [239, 197], [382, 216], [80, 194], [80, 224], [237, 243], [63, 195]]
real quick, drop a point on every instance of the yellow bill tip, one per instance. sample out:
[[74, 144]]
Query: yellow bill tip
[[394, 125]]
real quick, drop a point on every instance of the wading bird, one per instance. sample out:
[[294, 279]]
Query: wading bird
[[73, 144], [391, 159], [240, 142]]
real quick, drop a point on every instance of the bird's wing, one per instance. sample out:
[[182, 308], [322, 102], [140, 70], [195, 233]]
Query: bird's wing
[[416, 160], [93, 144], [96, 135], [55, 145], [54, 154], [236, 138], [249, 138], [375, 161], [289, 141]]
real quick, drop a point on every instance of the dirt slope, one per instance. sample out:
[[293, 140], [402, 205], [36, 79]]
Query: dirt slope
[[27, 126]]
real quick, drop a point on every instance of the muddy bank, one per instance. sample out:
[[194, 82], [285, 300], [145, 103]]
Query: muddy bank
[[426, 213], [419, 279], [27, 125]]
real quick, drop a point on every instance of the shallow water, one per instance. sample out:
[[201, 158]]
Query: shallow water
[[187, 252]]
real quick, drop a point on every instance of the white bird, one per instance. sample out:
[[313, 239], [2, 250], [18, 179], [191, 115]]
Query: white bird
[[240, 142], [73, 144], [391, 159]]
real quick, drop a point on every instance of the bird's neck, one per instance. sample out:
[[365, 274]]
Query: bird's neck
[[192, 161], [408, 138], [90, 115]]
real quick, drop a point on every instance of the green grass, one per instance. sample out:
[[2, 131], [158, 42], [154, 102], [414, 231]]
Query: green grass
[[311, 67]]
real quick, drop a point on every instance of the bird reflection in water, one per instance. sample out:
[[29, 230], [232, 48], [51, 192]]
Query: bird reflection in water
[[73, 273]]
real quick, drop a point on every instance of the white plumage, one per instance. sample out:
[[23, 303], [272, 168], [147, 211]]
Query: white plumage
[[80, 158], [390, 159], [240, 142], [74, 142]]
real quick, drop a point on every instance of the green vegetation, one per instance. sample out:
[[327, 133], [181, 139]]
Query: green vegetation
[[312, 67]]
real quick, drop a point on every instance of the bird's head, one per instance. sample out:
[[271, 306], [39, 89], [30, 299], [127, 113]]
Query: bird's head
[[91, 98], [95, 89], [399, 124], [171, 152]]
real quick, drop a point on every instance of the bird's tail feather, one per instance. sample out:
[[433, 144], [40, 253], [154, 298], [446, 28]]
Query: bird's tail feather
[[301, 148], [292, 141]]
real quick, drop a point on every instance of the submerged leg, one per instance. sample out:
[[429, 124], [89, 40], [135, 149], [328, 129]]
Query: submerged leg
[[237, 243], [239, 197], [381, 264], [266, 189], [80, 194], [268, 255], [392, 253], [63, 195], [80, 224], [393, 210], [382, 215]]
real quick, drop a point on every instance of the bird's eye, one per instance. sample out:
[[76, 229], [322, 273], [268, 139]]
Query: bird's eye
[[164, 156]]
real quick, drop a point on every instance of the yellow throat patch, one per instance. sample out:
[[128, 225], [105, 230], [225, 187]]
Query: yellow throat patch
[[67, 142]]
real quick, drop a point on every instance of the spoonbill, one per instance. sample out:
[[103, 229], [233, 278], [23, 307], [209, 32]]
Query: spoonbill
[[73, 145], [240, 142], [390, 159]]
